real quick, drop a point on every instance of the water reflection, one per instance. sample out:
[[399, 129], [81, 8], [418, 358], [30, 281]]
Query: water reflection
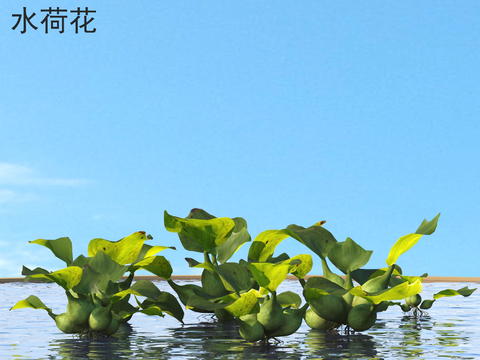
[[327, 344], [448, 332]]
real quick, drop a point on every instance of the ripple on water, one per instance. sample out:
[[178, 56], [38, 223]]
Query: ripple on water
[[450, 330]]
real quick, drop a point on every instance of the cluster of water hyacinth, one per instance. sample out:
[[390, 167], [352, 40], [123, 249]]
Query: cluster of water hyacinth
[[244, 291]]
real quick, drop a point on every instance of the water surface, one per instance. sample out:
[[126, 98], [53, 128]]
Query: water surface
[[450, 330]]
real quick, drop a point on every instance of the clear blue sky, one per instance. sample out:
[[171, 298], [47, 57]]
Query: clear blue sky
[[363, 114]]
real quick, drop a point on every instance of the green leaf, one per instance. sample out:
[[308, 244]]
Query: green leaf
[[66, 278], [315, 237], [465, 291], [208, 233], [428, 227], [92, 281], [196, 301], [406, 242], [157, 265], [303, 268], [329, 275], [124, 251], [398, 292], [149, 250], [232, 244], [31, 302], [318, 286], [140, 288], [270, 276], [192, 262], [265, 243], [61, 248], [289, 298], [348, 255], [168, 304], [234, 277], [27, 271], [152, 311], [244, 304], [102, 263]]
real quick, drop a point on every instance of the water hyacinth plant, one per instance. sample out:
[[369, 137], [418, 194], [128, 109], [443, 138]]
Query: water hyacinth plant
[[98, 302], [244, 292]]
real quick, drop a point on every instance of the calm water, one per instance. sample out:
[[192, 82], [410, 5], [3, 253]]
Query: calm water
[[451, 330]]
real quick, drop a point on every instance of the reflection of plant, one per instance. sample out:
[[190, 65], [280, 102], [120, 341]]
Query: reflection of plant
[[97, 301]]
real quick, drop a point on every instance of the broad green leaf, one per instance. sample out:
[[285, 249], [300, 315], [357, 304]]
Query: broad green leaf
[[91, 282], [157, 265], [397, 271], [187, 242], [234, 277], [196, 301], [38, 270], [231, 245], [265, 243], [168, 304], [270, 276], [406, 242], [208, 233], [243, 305], [402, 245], [66, 278], [80, 261], [205, 265], [303, 268], [315, 237], [465, 291], [319, 286], [192, 262], [61, 248], [361, 276], [140, 288], [149, 250], [281, 257], [31, 302], [428, 227], [102, 263], [289, 298], [398, 292], [152, 311], [348, 255], [329, 275], [124, 251]]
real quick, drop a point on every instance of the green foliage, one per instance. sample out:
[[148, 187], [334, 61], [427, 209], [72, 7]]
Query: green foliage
[[97, 302]]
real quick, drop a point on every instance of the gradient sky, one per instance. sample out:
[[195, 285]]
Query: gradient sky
[[363, 114]]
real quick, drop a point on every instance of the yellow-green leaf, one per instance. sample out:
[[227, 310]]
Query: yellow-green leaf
[[157, 265], [398, 292], [66, 278], [303, 268], [124, 251], [31, 302], [406, 242], [209, 233], [270, 276], [243, 305], [402, 245], [465, 291], [61, 248]]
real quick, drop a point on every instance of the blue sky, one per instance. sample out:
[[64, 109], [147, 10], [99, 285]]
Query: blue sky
[[362, 114]]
